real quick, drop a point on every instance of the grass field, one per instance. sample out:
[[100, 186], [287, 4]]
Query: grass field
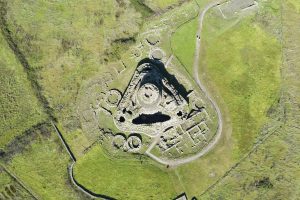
[[183, 43], [272, 170], [20, 109], [5, 178], [142, 8], [43, 168], [10, 188], [294, 4], [245, 73], [67, 43], [122, 179], [248, 82], [158, 5]]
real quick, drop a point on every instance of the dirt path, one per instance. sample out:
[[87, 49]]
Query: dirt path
[[196, 77], [202, 87]]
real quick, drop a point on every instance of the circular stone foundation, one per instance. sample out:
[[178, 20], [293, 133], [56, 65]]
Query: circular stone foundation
[[113, 97], [157, 54], [119, 141], [134, 143], [152, 39], [148, 95]]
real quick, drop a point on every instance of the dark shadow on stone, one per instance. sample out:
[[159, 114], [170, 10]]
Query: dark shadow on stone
[[194, 111], [122, 119], [121, 134], [151, 118], [137, 135], [171, 78]]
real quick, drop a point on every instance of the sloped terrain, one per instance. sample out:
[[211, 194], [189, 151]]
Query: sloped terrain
[[59, 59]]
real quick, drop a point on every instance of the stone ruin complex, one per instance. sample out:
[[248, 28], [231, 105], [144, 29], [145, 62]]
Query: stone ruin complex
[[150, 103], [156, 108]]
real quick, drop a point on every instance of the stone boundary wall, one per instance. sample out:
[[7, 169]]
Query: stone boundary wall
[[78, 186]]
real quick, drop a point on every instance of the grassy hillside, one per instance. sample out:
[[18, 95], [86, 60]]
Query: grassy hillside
[[249, 63], [247, 74], [272, 170], [244, 70], [242, 74], [19, 107], [158, 5], [67, 42], [183, 43], [10, 188], [43, 168]]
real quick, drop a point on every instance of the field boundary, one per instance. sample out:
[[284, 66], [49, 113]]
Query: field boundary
[[31, 74], [70, 169], [254, 148], [14, 177], [261, 141]]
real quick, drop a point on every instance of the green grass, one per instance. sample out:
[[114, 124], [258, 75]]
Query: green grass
[[122, 179], [68, 43], [142, 8], [19, 107], [183, 43], [160, 4], [43, 168], [198, 175], [271, 171], [295, 4], [245, 65], [16, 191], [241, 61], [5, 179], [245, 71]]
